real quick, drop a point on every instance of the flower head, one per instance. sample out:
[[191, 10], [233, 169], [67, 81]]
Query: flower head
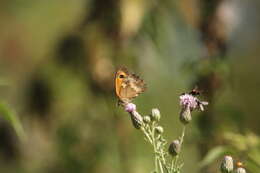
[[175, 147], [159, 129], [240, 170], [185, 115], [240, 167], [137, 119], [156, 115], [147, 119], [189, 101], [227, 164], [130, 107]]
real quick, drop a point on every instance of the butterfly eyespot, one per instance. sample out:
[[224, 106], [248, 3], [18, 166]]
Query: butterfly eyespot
[[121, 76]]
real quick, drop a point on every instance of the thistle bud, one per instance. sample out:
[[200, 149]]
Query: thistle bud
[[240, 170], [159, 129], [137, 119], [227, 165], [185, 115], [174, 148], [147, 119], [155, 116]]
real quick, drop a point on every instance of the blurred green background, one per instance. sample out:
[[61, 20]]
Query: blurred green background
[[57, 62]]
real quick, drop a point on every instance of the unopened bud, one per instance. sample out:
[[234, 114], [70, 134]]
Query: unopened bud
[[137, 119], [174, 148], [185, 115], [159, 129], [227, 165], [155, 114], [240, 170], [147, 119]]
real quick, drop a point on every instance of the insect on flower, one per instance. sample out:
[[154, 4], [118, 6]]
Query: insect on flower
[[190, 100], [127, 86], [195, 92], [240, 164]]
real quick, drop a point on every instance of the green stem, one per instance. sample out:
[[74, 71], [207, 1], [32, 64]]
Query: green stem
[[156, 164], [147, 135], [183, 134], [154, 148], [176, 161], [160, 164], [181, 141], [172, 163]]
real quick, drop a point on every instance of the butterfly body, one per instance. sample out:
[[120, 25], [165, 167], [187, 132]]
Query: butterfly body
[[128, 86]]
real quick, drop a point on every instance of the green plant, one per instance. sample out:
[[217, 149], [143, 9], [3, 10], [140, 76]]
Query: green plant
[[165, 161]]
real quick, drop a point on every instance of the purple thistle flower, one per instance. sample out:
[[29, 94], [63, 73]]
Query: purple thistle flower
[[187, 100], [130, 107], [136, 118]]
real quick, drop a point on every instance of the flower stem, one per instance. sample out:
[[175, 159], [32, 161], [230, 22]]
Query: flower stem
[[183, 134], [181, 141], [156, 159], [172, 164], [147, 135], [156, 164], [160, 164]]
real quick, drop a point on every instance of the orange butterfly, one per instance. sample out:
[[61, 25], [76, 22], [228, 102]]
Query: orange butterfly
[[128, 86], [240, 164]]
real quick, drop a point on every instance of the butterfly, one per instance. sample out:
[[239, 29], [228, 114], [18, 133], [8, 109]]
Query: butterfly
[[128, 86], [240, 164]]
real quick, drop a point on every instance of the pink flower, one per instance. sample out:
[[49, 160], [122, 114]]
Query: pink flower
[[187, 100], [130, 107]]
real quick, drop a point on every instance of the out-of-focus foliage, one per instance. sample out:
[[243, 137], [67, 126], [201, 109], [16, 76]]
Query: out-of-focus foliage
[[10, 116], [244, 148], [57, 63]]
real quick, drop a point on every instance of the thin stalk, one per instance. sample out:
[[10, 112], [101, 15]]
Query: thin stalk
[[181, 141], [176, 161], [160, 164], [156, 164], [172, 163], [147, 135], [183, 134], [156, 160]]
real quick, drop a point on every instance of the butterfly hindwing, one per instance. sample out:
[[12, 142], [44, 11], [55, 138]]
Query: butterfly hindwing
[[128, 86]]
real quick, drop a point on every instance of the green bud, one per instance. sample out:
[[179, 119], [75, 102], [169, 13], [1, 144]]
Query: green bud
[[159, 129], [227, 165], [155, 116], [174, 148], [185, 115], [137, 119], [240, 170], [147, 119]]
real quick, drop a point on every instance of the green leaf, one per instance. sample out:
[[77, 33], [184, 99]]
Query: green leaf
[[212, 155], [9, 115]]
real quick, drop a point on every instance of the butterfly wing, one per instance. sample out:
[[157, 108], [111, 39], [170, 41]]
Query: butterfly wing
[[128, 86], [120, 77], [131, 87]]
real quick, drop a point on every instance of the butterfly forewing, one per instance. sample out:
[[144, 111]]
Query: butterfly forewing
[[128, 86]]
